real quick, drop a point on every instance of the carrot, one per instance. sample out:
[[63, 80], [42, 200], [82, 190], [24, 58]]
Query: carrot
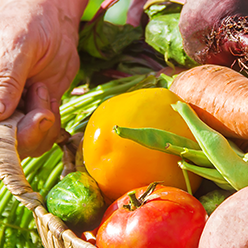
[[218, 95]]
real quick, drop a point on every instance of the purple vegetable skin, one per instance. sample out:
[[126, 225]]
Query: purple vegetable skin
[[216, 32]]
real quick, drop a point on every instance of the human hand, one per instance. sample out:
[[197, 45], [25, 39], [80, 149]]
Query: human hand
[[38, 61]]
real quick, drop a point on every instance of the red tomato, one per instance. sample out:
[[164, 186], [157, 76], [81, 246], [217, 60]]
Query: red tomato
[[169, 218]]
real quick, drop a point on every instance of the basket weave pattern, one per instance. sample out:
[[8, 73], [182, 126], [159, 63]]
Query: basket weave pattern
[[52, 230]]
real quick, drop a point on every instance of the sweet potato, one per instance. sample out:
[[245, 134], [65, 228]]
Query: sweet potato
[[227, 225], [218, 94], [215, 31]]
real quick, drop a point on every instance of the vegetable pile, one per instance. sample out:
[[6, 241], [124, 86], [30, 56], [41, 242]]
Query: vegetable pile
[[106, 155], [155, 151]]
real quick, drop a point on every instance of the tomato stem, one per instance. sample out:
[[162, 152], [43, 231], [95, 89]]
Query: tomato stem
[[135, 202]]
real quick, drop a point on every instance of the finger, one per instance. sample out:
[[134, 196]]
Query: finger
[[59, 72], [37, 97], [39, 118], [52, 134], [31, 131], [14, 66]]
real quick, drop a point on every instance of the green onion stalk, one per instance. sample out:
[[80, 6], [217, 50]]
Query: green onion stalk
[[17, 225]]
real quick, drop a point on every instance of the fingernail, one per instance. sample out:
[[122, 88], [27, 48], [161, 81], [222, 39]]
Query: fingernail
[[2, 108], [45, 124], [42, 93]]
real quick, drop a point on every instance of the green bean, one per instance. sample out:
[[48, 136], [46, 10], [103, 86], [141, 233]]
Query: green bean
[[26, 218], [216, 147], [52, 179], [208, 173], [237, 150], [5, 200], [8, 219], [165, 141], [37, 163], [195, 156], [155, 138]]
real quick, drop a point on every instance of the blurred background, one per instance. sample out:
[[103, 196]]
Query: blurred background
[[117, 14]]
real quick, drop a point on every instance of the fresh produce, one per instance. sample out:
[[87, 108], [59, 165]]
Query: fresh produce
[[217, 94], [228, 163], [17, 225], [213, 199], [78, 201], [123, 58], [215, 32], [148, 217], [119, 165], [163, 34], [227, 225], [216, 158]]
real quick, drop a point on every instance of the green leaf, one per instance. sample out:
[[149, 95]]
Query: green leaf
[[104, 40], [159, 7], [162, 33]]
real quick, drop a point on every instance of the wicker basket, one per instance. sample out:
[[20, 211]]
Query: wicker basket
[[52, 230]]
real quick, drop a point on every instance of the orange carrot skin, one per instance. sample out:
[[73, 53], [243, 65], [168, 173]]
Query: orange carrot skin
[[219, 95]]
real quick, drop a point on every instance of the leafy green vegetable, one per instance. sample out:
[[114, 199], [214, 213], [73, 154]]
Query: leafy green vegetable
[[162, 33], [105, 40], [157, 7]]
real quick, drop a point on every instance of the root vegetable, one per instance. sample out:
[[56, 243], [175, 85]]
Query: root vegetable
[[218, 95], [215, 32], [227, 225]]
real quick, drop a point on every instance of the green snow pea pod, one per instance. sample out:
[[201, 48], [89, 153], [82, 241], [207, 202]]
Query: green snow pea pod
[[155, 138], [209, 173], [216, 147], [165, 141]]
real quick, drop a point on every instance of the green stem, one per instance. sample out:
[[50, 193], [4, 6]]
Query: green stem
[[9, 219], [52, 179], [37, 163], [5, 200], [208, 173], [134, 203], [196, 156], [99, 93], [187, 181]]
